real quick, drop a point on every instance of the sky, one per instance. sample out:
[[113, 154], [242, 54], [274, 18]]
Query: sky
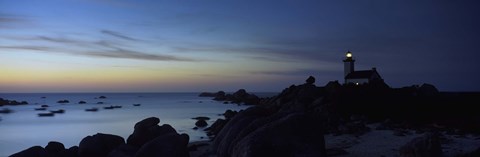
[[211, 45]]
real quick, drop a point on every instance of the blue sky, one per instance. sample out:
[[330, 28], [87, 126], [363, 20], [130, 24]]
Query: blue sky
[[164, 46]]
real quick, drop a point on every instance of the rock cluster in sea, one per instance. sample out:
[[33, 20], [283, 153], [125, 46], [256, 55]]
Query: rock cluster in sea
[[239, 97], [147, 140]]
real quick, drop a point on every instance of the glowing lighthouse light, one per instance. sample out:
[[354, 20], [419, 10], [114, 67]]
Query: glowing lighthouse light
[[349, 54]]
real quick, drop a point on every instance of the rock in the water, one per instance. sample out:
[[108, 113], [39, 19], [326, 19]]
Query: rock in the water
[[426, 146], [99, 145], [310, 80], [201, 123], [165, 145], [54, 147], [35, 151], [201, 118], [147, 130]]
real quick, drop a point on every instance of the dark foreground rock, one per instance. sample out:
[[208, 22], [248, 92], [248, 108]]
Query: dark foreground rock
[[148, 140], [258, 132], [53, 149], [426, 146]]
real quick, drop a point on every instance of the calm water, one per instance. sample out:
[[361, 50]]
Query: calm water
[[23, 128]]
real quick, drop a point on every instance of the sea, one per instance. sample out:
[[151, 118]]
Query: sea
[[23, 128]]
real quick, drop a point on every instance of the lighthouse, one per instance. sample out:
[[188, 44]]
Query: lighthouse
[[349, 63]]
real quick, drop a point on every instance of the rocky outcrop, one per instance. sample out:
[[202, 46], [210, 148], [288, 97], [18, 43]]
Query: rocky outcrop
[[12, 102], [239, 97], [426, 146], [53, 149], [147, 130], [99, 145], [201, 123], [166, 145], [259, 132], [148, 139]]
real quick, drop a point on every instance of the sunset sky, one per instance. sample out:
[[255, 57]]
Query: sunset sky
[[210, 45]]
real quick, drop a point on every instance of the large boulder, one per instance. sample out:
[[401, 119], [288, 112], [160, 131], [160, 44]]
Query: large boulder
[[124, 150], [147, 130], [230, 131], [99, 145], [54, 147], [293, 135], [35, 151], [425, 146], [310, 80], [166, 145], [201, 123]]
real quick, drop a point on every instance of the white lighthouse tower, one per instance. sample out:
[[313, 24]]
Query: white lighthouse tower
[[349, 64]]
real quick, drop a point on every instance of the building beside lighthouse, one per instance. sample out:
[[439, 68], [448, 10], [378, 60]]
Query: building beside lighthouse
[[358, 77]]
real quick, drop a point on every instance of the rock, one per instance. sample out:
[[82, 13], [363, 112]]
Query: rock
[[201, 118], [310, 80], [292, 135], [427, 90], [54, 147], [102, 97], [229, 114], [99, 145], [35, 151], [147, 130], [201, 123], [166, 145], [70, 152], [123, 150], [425, 146], [215, 128], [475, 153], [82, 102], [63, 101], [233, 128]]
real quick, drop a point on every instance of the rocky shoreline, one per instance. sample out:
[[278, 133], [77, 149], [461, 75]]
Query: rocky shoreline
[[306, 120]]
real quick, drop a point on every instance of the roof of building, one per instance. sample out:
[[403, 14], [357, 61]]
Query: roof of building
[[363, 74]]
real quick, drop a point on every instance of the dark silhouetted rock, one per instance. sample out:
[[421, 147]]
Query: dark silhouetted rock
[[292, 135], [165, 145], [475, 153], [201, 123], [11, 102], [63, 101], [70, 152], [123, 150], [102, 97], [99, 145], [82, 102], [229, 114], [147, 130], [54, 147], [35, 151], [427, 90], [201, 118], [215, 128], [425, 146], [310, 80]]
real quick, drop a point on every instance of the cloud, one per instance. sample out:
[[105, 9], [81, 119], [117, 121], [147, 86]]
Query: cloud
[[102, 48], [130, 54], [118, 35], [10, 21], [295, 72], [27, 47]]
